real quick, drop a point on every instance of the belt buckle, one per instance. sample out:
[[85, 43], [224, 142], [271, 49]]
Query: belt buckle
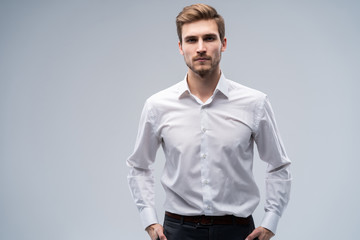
[[206, 220]]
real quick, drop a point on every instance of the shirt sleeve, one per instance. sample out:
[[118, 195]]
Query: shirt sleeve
[[278, 177], [140, 177]]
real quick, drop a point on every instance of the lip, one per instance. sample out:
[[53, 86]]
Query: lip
[[202, 59]]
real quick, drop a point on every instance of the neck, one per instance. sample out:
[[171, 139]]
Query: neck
[[203, 86]]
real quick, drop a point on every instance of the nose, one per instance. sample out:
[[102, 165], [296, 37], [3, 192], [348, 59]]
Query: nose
[[201, 47]]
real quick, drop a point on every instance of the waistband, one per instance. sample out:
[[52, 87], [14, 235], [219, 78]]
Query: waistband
[[210, 220]]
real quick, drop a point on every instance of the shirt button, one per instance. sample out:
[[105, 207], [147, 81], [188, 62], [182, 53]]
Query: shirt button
[[203, 130], [206, 181], [208, 207], [203, 155]]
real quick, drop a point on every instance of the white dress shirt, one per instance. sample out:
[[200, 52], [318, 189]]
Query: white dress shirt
[[209, 154]]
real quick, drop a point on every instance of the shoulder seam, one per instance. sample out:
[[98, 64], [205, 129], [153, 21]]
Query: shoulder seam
[[259, 111]]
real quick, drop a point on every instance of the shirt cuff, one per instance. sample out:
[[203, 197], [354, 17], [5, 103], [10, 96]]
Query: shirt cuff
[[148, 216], [270, 221]]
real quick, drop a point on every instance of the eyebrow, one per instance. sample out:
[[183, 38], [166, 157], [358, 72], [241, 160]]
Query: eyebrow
[[210, 35], [205, 35]]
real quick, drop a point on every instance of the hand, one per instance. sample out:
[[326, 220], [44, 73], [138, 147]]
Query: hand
[[156, 231], [261, 233]]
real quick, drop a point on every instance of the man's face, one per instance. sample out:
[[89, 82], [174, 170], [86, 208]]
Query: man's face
[[201, 46]]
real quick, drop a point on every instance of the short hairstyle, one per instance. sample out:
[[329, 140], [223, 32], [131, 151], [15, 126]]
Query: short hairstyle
[[198, 12]]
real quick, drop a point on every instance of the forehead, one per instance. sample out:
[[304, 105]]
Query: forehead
[[200, 28]]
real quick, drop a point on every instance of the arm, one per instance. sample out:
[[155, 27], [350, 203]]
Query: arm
[[278, 177], [140, 177]]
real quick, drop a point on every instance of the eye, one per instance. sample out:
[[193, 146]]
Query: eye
[[209, 38], [191, 40]]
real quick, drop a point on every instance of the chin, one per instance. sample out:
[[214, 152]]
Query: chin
[[203, 72]]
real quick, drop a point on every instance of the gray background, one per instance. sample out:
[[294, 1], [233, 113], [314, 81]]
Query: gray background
[[74, 76]]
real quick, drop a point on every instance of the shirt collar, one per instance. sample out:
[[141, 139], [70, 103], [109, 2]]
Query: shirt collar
[[222, 86]]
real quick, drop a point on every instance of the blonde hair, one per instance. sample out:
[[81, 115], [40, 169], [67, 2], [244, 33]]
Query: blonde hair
[[198, 12]]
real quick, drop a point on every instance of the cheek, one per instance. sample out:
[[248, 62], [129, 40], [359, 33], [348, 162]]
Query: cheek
[[187, 53], [216, 50]]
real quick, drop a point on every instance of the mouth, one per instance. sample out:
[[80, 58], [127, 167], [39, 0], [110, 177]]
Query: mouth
[[202, 59]]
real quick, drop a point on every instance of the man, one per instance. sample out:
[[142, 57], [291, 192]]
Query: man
[[207, 126]]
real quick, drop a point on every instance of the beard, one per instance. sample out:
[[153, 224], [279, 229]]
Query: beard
[[206, 69]]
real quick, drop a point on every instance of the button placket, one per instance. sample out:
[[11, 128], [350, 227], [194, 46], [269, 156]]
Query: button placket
[[205, 161]]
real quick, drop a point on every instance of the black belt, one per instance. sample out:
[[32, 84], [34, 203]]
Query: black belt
[[210, 220]]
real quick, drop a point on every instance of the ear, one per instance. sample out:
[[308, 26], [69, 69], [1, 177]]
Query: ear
[[224, 45], [180, 49]]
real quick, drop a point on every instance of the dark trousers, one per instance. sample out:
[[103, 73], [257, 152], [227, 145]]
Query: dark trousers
[[175, 229]]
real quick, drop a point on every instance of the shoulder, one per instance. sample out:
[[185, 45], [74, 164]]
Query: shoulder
[[163, 97], [246, 94]]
